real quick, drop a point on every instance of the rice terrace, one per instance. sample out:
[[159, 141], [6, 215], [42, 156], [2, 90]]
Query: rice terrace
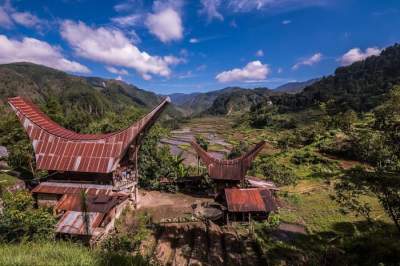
[[207, 132]]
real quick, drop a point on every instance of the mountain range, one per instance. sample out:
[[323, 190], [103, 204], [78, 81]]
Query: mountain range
[[360, 86]]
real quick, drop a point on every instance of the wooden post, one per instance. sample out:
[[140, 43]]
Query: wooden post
[[136, 174]]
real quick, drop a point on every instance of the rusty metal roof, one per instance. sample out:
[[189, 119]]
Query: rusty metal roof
[[72, 188], [72, 223], [249, 200], [60, 149], [228, 169], [94, 203]]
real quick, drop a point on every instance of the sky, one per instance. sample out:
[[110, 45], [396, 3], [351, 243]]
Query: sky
[[170, 46]]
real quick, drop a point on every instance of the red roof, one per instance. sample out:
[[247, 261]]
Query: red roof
[[60, 149], [100, 203], [75, 188], [249, 200], [228, 169]]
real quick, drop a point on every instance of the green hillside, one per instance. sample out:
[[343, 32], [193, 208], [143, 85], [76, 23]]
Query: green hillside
[[93, 96], [360, 86]]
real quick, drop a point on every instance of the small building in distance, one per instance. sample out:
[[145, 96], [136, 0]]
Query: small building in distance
[[103, 166], [245, 203], [233, 189]]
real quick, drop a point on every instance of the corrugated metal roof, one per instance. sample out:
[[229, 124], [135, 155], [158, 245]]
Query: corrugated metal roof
[[249, 200], [71, 188], [60, 149], [97, 203], [72, 222], [228, 169]]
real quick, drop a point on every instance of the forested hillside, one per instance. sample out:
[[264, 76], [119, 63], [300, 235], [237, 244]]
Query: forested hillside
[[237, 99], [74, 94], [360, 86]]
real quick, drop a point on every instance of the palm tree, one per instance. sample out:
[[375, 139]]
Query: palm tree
[[85, 212]]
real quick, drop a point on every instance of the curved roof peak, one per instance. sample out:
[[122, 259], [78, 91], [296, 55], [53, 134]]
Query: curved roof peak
[[234, 169], [60, 149]]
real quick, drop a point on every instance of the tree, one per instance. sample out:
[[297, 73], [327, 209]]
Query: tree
[[238, 150], [383, 152], [204, 145], [280, 174]]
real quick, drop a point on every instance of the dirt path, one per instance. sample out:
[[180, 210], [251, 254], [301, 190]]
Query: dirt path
[[162, 205]]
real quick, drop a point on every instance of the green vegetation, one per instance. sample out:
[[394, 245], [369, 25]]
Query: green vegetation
[[19, 220], [7, 180], [46, 253]]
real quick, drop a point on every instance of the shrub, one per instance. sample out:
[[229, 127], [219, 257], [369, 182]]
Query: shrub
[[277, 173], [20, 220]]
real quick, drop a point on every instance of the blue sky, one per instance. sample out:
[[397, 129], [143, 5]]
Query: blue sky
[[198, 45]]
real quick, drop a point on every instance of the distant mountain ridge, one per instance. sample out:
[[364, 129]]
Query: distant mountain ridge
[[231, 99], [220, 102], [295, 87]]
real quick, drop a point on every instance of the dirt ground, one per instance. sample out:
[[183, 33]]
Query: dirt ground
[[167, 205]]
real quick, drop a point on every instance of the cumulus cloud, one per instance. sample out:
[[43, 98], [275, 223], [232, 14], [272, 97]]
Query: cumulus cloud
[[166, 25], [308, 61], [194, 40], [253, 71], [210, 9], [286, 22], [356, 54], [36, 51], [112, 47], [116, 70], [260, 53]]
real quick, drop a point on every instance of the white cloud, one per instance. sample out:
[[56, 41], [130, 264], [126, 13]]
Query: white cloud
[[356, 54], [112, 47], [210, 9], [127, 5], [260, 53], [272, 5], [308, 61], [286, 22], [127, 21], [254, 70], [5, 20], [9, 16], [26, 19], [166, 25], [116, 70], [36, 51], [194, 40], [119, 78]]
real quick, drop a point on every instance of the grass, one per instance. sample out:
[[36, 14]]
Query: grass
[[7, 180], [310, 204], [60, 253], [46, 253]]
